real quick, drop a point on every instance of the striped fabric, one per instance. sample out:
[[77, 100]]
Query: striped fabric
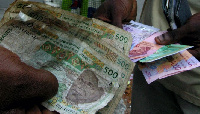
[[81, 7]]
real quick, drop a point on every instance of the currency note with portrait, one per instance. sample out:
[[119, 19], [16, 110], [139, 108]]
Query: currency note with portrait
[[87, 80]]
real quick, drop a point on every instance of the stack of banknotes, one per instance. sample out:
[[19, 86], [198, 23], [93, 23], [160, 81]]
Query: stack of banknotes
[[154, 58], [91, 59], [88, 57]]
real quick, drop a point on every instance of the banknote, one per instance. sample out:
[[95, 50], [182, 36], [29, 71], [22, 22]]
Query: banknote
[[87, 79], [111, 106], [99, 47], [71, 17], [116, 37], [139, 31], [148, 50], [145, 48], [141, 26], [164, 51], [163, 68]]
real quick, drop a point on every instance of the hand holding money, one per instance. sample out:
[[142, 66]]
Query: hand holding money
[[71, 54], [187, 34], [158, 65], [117, 11], [22, 85]]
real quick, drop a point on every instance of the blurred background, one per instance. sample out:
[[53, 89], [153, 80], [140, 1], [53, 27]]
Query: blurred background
[[5, 3]]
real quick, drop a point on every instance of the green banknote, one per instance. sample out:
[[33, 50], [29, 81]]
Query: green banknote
[[99, 33], [164, 51], [116, 37], [88, 79]]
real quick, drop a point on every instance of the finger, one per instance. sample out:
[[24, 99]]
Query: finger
[[46, 111], [21, 84], [117, 14], [191, 39], [168, 38], [133, 13], [117, 21], [5, 55], [195, 53], [141, 64], [169, 58], [103, 12], [173, 36], [43, 84], [33, 110], [120, 11]]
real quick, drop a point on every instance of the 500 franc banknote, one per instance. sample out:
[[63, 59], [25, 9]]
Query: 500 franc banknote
[[116, 37], [87, 79], [98, 45]]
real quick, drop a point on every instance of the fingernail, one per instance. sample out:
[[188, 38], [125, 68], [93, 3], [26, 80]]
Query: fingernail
[[157, 39], [160, 38]]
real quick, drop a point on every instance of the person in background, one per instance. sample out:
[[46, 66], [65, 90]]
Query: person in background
[[173, 95]]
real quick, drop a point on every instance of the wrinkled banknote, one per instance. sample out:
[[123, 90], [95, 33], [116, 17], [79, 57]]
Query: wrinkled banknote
[[116, 37], [164, 51], [163, 68], [87, 79], [97, 45]]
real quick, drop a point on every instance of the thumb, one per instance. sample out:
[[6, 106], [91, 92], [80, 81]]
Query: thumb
[[133, 13], [21, 84], [117, 14], [195, 53], [173, 36], [103, 12], [117, 20]]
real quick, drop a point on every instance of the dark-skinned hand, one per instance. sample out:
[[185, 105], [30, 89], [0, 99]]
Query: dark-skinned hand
[[117, 11], [22, 86], [188, 34]]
